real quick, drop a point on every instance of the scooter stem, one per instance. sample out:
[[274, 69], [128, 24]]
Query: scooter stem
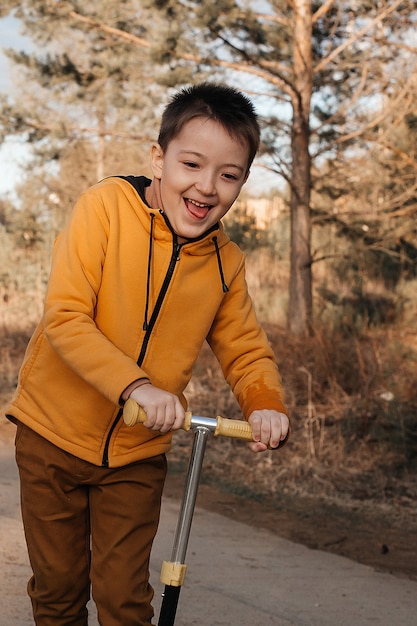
[[173, 572], [190, 494]]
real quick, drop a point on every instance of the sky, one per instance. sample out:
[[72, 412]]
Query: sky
[[12, 153], [9, 38]]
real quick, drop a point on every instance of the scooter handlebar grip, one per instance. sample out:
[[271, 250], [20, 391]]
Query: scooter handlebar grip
[[134, 414], [238, 429]]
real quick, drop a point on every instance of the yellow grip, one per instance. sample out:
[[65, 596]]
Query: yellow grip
[[134, 414], [233, 428]]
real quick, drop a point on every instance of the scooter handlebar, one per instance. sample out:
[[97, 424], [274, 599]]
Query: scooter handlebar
[[134, 414]]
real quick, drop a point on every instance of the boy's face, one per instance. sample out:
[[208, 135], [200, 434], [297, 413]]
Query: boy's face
[[201, 174]]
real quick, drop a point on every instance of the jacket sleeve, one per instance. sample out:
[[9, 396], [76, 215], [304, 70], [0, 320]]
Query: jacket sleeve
[[71, 302], [244, 353]]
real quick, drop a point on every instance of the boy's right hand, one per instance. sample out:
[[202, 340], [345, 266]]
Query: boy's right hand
[[163, 409]]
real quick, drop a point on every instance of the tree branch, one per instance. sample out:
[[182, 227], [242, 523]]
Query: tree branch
[[322, 10], [337, 51], [378, 119], [139, 41]]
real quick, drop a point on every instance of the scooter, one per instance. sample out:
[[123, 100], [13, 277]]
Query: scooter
[[173, 571]]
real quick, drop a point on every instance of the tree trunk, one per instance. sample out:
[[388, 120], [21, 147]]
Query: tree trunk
[[300, 291]]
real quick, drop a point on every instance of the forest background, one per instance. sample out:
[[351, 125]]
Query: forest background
[[328, 224]]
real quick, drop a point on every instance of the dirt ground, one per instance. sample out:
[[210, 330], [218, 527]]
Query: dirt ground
[[380, 536]]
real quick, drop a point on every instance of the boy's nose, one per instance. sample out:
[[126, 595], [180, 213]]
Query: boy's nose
[[206, 185]]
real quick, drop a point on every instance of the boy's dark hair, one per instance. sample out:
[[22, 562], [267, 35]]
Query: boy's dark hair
[[234, 111]]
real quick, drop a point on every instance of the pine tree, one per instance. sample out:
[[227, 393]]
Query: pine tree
[[85, 98]]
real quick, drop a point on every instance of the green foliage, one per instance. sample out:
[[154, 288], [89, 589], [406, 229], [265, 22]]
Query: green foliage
[[24, 227], [356, 310], [242, 228]]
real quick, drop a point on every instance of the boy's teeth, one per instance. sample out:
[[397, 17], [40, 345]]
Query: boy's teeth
[[201, 206]]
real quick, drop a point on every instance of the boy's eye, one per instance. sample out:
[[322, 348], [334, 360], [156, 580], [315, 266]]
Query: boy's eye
[[230, 176], [190, 164]]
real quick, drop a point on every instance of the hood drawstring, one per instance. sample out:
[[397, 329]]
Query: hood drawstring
[[219, 263], [148, 278]]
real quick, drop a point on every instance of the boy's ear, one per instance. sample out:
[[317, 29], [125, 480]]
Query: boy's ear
[[157, 160]]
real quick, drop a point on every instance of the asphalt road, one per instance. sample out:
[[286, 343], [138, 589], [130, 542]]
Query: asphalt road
[[237, 575]]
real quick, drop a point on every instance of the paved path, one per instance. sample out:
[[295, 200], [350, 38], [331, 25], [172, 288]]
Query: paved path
[[237, 575]]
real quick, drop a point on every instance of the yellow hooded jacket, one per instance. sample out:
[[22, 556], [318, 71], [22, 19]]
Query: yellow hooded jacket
[[126, 301]]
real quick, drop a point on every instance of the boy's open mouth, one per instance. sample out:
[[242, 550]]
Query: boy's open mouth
[[196, 209]]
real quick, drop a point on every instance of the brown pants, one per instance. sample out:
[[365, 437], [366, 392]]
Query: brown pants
[[87, 525]]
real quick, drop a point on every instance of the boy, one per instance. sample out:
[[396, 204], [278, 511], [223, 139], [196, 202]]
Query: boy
[[141, 276]]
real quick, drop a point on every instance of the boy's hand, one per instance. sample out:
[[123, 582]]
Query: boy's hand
[[269, 428], [163, 409]]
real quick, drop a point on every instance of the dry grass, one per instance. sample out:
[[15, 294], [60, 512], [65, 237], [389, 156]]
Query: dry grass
[[351, 438]]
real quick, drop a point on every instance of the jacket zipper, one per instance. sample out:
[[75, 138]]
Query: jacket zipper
[[175, 257], [105, 459], [161, 297]]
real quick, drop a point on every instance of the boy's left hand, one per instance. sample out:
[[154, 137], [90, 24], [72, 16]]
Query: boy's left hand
[[269, 429]]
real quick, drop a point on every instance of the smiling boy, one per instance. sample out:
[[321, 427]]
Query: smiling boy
[[199, 180], [141, 276]]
